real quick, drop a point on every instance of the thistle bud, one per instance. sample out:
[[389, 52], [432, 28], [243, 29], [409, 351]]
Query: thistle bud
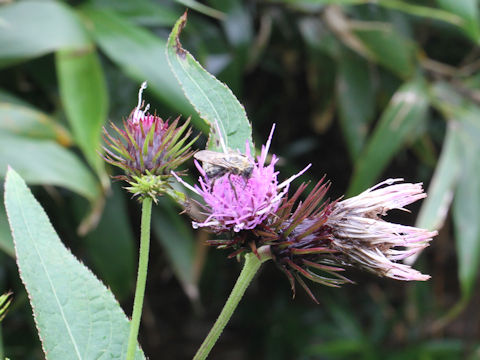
[[147, 149]]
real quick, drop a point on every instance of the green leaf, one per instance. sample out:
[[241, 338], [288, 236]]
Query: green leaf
[[113, 232], [201, 8], [464, 116], [466, 204], [399, 123], [85, 99], [77, 317], [26, 121], [387, 47], [212, 99], [47, 163], [356, 99], [141, 55], [440, 192], [143, 12], [34, 28], [6, 241], [178, 242], [468, 11], [466, 215]]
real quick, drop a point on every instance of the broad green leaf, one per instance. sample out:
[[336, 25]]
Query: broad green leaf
[[467, 10], [399, 123], [113, 232], [212, 99], [387, 47], [143, 12], [29, 122], [85, 99], [43, 162], [440, 192], [178, 242], [6, 241], [77, 317], [141, 55], [33, 28], [356, 99]]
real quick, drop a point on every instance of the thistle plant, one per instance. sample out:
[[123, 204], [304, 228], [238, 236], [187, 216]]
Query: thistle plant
[[252, 214]]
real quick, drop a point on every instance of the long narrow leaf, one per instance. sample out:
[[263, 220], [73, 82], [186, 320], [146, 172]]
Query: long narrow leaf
[[400, 122], [84, 96]]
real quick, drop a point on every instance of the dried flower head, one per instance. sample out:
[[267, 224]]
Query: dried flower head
[[147, 146], [375, 244], [235, 202], [319, 239]]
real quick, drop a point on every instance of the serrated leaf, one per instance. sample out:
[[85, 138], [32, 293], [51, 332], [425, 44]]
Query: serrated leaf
[[43, 162], [77, 317], [141, 55], [399, 123], [26, 121], [178, 242], [467, 10], [34, 28], [212, 99], [356, 99], [85, 99]]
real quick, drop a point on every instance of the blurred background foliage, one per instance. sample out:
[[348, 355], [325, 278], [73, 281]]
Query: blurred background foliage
[[364, 90]]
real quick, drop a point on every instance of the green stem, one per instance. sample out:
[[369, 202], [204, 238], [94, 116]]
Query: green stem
[[141, 277], [250, 268]]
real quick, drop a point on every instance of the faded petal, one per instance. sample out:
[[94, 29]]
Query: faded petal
[[362, 236]]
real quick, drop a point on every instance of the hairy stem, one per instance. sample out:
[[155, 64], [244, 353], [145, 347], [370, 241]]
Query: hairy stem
[[141, 277], [250, 268]]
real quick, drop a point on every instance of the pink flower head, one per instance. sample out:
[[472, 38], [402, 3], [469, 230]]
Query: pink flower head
[[372, 243], [235, 202], [147, 144]]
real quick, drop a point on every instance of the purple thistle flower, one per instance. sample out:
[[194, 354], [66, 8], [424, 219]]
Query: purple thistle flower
[[148, 145], [235, 202]]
